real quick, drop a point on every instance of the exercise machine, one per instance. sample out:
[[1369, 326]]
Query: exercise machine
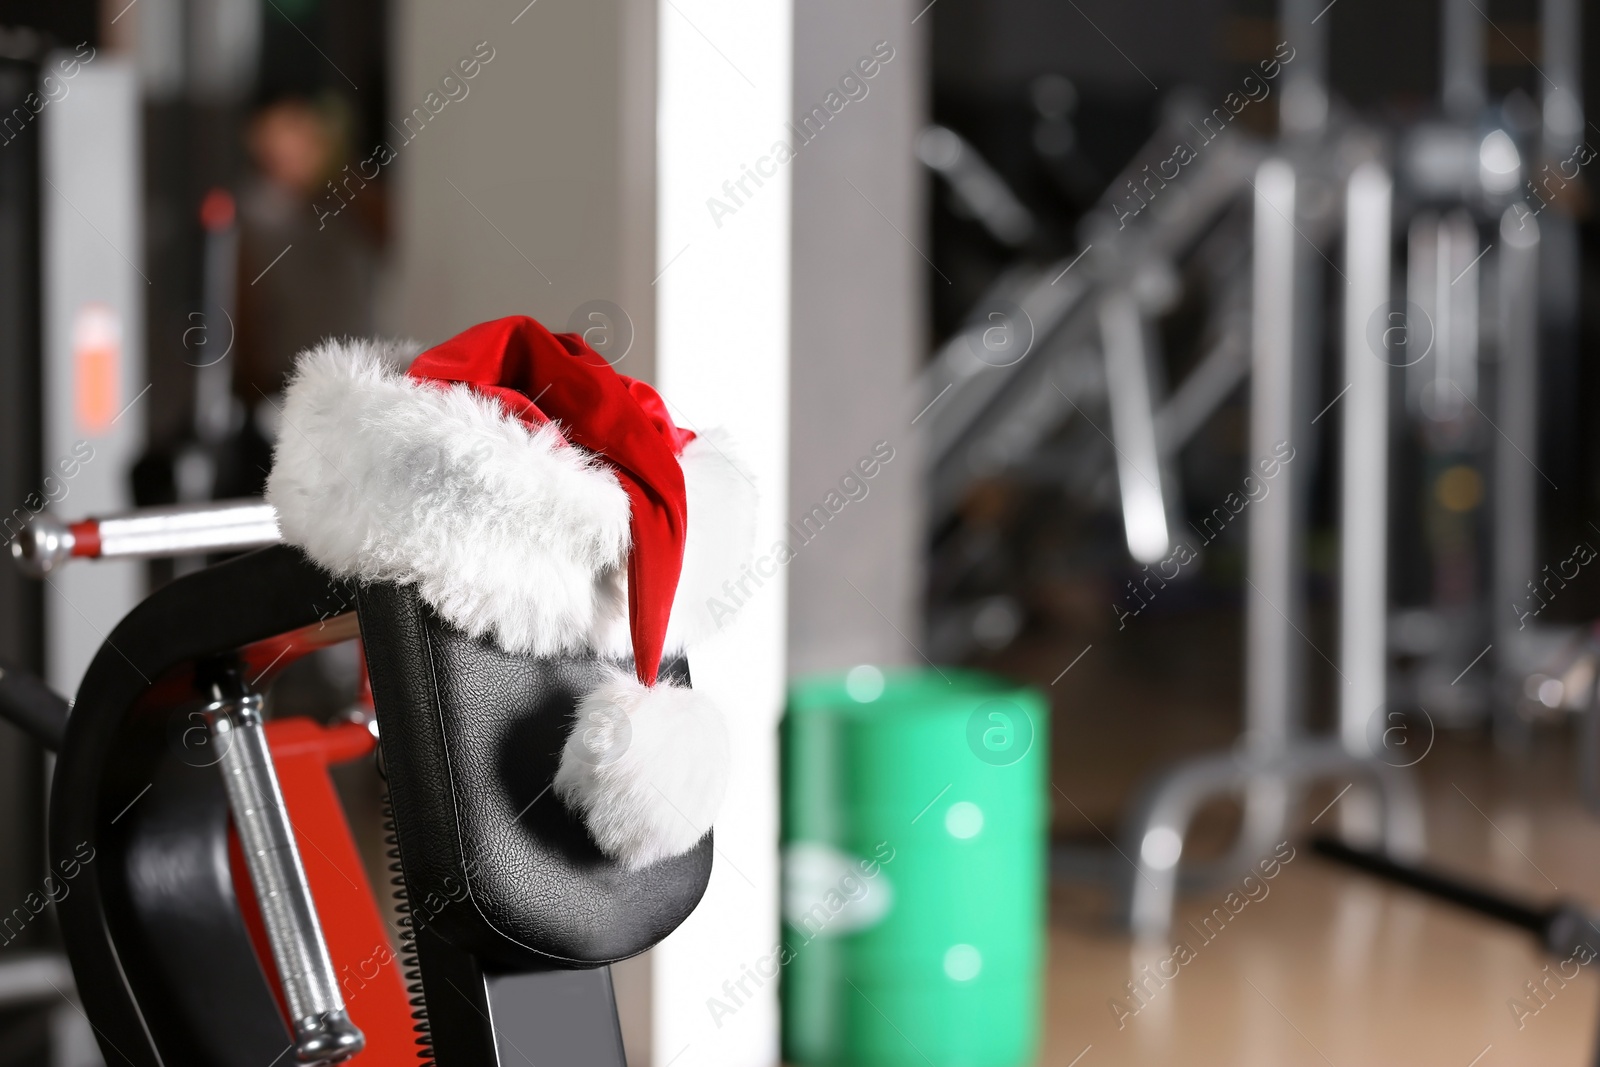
[[218, 912], [1439, 381], [1563, 928]]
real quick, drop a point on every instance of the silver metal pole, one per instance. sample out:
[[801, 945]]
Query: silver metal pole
[[1515, 486], [1275, 757], [1272, 615], [323, 1031], [1422, 375], [149, 533], [1465, 86], [1364, 518], [213, 394], [1304, 109], [223, 526], [1457, 301], [1561, 61], [1442, 270], [1133, 427]]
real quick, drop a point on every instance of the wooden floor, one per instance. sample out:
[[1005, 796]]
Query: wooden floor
[[1330, 967]]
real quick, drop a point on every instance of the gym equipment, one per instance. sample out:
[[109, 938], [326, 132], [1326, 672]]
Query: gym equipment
[[1475, 349], [1276, 759], [993, 388], [223, 453], [509, 914], [91, 360], [915, 826], [62, 387], [1442, 255], [1052, 340], [990, 417], [146, 533], [1567, 681], [1563, 928]]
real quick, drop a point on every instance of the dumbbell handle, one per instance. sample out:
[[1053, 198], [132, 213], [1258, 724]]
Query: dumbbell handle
[[323, 1031], [147, 533]]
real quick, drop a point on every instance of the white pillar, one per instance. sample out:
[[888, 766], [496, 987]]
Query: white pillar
[[723, 359]]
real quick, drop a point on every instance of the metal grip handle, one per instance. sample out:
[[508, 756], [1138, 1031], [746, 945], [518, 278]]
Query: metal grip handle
[[322, 1029], [46, 542]]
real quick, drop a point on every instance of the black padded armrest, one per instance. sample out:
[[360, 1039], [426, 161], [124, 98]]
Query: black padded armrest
[[471, 739]]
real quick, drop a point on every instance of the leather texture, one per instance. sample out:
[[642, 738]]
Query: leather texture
[[494, 863]]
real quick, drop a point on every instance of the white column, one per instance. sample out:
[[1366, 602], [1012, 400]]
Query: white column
[[723, 359]]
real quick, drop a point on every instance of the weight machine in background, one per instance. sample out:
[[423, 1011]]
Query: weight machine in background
[[26, 1014], [72, 333], [1444, 330]]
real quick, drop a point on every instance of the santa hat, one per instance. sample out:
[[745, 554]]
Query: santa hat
[[536, 497]]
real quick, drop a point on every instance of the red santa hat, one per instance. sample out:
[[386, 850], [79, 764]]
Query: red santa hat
[[540, 499]]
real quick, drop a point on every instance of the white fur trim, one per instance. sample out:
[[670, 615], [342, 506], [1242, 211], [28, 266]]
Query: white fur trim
[[646, 769], [722, 532], [721, 496], [505, 531]]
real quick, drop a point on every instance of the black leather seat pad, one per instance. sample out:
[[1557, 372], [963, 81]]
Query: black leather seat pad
[[471, 739]]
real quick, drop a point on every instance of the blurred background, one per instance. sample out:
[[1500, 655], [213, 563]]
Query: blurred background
[[1184, 403]]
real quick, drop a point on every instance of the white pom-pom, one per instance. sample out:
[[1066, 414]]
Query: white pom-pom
[[646, 768]]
